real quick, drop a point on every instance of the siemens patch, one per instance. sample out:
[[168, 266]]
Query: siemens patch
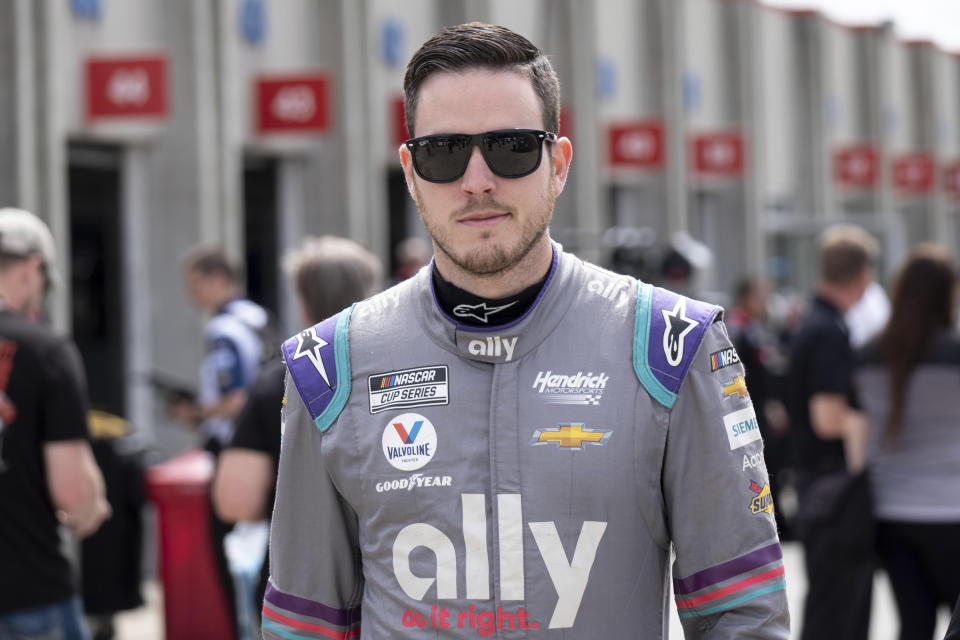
[[419, 387], [741, 427]]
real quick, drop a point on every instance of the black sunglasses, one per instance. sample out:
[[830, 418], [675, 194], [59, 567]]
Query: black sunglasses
[[510, 153]]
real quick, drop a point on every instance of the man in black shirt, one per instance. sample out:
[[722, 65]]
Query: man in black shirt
[[329, 274], [48, 476], [819, 397]]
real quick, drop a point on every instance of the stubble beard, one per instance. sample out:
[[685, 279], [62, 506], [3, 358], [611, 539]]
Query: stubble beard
[[495, 260]]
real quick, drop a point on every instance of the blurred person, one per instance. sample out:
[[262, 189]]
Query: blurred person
[[907, 379], [234, 349], [411, 255], [838, 562], [48, 475], [483, 448], [764, 364], [329, 274]]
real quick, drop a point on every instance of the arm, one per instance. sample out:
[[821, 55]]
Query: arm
[[241, 487], [316, 576], [76, 486], [728, 572], [828, 415]]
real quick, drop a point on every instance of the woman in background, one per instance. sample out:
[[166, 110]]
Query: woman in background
[[908, 381]]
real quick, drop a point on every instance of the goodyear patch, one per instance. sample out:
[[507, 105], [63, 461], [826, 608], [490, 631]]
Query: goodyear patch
[[418, 387]]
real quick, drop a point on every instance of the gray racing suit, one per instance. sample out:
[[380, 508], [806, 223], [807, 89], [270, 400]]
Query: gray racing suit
[[526, 480]]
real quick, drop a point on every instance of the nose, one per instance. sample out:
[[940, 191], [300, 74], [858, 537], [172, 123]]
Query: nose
[[478, 178]]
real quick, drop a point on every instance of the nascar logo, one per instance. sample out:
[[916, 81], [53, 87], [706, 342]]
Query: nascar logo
[[419, 387], [723, 358]]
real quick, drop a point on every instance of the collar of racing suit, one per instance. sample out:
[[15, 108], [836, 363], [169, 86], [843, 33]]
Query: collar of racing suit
[[500, 342], [475, 311]]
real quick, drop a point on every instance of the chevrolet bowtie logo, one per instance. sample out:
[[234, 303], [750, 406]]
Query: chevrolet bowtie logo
[[570, 437], [736, 388]]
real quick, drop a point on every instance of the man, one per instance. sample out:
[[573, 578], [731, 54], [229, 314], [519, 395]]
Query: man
[[329, 274], [840, 571], [48, 476], [234, 346], [509, 442]]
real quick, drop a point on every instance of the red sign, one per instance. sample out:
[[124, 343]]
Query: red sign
[[399, 112], [638, 144], [856, 166], [127, 87], [914, 172], [292, 103], [718, 153], [951, 178]]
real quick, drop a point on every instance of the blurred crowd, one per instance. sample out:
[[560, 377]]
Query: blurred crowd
[[853, 390]]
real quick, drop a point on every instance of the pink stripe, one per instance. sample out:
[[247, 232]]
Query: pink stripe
[[306, 626], [730, 588]]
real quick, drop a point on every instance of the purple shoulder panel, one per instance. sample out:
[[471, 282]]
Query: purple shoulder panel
[[677, 325], [310, 359]]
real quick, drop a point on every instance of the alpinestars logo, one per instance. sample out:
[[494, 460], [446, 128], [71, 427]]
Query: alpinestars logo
[[308, 346], [678, 326], [579, 388], [480, 312]]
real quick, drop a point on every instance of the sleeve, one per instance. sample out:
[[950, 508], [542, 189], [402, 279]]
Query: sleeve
[[728, 572], [224, 361], [63, 416], [316, 579], [830, 364], [258, 425]]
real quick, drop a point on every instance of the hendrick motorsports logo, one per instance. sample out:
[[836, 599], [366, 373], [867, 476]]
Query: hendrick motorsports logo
[[420, 387], [579, 388], [409, 442]]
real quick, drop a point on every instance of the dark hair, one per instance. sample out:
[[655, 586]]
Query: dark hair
[[921, 304], [846, 251], [746, 286], [478, 45], [331, 273], [209, 261]]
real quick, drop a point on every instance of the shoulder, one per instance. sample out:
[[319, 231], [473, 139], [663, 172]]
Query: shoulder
[[669, 328], [318, 359]]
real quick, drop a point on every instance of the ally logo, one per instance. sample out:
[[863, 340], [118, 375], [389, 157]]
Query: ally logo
[[409, 441]]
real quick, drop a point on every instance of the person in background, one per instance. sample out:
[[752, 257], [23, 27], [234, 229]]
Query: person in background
[[236, 341], [907, 381], [329, 274], [482, 449], [48, 476], [764, 364], [820, 393], [411, 255]]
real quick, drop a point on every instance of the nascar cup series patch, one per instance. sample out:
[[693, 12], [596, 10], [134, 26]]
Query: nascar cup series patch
[[419, 387], [409, 441]]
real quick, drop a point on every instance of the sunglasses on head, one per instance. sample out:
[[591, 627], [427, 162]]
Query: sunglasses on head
[[510, 153]]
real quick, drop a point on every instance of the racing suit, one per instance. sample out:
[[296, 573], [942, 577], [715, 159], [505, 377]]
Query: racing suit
[[526, 480]]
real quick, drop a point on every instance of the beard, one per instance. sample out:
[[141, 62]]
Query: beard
[[490, 258]]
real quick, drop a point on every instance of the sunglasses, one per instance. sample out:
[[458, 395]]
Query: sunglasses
[[510, 153]]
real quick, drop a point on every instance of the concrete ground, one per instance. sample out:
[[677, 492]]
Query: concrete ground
[[146, 623]]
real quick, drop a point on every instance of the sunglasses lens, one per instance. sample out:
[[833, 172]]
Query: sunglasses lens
[[511, 154], [441, 158]]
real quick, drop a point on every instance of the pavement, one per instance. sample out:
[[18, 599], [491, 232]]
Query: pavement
[[146, 623]]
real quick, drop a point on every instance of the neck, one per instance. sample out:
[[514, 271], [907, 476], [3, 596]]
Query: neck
[[837, 295], [526, 273]]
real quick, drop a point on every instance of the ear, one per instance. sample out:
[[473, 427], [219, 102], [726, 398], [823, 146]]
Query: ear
[[406, 161], [561, 157]]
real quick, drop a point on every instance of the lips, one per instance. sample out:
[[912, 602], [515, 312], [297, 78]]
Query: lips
[[484, 218]]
